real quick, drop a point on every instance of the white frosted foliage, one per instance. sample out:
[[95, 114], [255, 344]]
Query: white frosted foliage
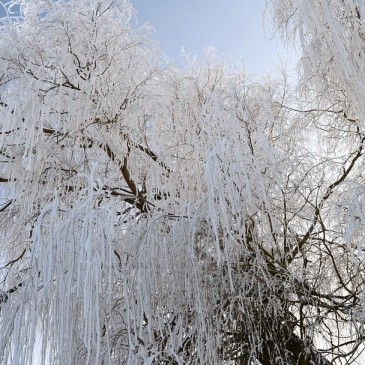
[[153, 215]]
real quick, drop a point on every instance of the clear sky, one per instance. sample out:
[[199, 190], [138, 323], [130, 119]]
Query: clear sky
[[236, 28]]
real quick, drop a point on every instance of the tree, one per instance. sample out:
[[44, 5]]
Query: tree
[[154, 215]]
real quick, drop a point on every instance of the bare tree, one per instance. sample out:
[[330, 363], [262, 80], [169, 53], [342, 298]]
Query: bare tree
[[159, 216]]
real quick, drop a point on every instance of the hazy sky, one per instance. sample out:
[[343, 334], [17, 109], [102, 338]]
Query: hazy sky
[[234, 27]]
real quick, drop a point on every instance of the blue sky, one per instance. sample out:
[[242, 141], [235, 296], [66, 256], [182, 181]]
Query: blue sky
[[234, 27]]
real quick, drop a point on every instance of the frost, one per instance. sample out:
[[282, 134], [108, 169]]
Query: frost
[[155, 215]]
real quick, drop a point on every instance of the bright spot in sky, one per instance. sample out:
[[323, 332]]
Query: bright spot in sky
[[235, 28]]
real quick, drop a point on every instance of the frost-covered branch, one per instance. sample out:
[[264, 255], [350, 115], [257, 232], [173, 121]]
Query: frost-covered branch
[[151, 214]]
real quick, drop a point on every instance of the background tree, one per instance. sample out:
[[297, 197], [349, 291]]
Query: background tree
[[154, 215]]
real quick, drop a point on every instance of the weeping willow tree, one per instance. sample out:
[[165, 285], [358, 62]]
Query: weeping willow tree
[[151, 215]]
